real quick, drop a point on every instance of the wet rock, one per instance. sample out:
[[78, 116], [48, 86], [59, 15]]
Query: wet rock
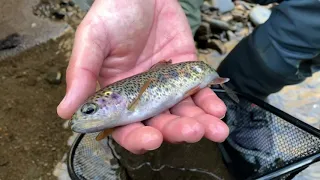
[[10, 42], [64, 2], [59, 14], [218, 45], [71, 3], [216, 23], [54, 76], [259, 15], [223, 5], [204, 29], [231, 35], [226, 18]]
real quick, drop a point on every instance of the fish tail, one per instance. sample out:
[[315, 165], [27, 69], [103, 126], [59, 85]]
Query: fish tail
[[221, 81]]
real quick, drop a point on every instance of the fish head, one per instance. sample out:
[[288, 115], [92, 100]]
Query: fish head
[[99, 112]]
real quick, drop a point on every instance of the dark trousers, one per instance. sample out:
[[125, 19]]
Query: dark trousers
[[282, 51]]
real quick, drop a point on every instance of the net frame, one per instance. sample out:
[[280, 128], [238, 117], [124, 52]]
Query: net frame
[[285, 172]]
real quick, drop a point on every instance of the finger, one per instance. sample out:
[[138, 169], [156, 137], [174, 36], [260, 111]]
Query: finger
[[186, 108], [207, 100], [90, 49], [215, 129], [177, 129], [138, 138]]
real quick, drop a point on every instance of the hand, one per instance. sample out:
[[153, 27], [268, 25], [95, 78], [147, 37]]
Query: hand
[[121, 38]]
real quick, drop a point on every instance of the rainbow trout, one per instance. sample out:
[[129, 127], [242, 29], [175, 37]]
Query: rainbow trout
[[143, 96]]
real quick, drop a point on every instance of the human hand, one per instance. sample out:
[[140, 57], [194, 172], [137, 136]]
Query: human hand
[[121, 38]]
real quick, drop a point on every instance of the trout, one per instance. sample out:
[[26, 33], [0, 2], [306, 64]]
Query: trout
[[144, 95]]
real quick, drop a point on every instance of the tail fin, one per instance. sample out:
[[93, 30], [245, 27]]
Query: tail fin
[[221, 81]]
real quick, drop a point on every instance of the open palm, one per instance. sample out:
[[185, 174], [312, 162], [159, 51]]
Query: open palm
[[121, 38]]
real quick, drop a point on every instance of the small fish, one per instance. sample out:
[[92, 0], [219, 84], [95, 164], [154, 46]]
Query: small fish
[[143, 96]]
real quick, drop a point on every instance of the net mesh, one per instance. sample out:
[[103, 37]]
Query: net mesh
[[264, 139], [95, 160], [259, 136]]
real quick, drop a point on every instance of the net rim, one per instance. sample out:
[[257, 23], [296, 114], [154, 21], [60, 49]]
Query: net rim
[[299, 165]]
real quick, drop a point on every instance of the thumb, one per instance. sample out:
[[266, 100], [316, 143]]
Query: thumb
[[89, 51]]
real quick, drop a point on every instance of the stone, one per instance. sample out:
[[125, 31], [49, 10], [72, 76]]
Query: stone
[[54, 76], [223, 5], [259, 15], [11, 41], [18, 16]]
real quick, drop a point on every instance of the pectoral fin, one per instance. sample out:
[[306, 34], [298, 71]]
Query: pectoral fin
[[161, 63], [104, 134], [134, 103]]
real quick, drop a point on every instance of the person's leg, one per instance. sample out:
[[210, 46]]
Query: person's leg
[[283, 51], [192, 10]]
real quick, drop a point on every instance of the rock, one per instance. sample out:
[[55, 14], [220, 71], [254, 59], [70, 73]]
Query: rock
[[64, 2], [11, 41], [226, 17], [216, 23], [231, 35], [223, 5], [60, 14], [218, 45], [54, 76], [259, 15], [70, 9], [71, 3]]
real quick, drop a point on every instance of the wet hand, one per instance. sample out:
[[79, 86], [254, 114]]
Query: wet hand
[[118, 39]]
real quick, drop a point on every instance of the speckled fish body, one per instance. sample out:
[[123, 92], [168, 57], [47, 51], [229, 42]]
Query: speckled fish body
[[168, 85]]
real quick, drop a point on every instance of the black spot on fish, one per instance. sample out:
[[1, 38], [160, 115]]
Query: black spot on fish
[[174, 74], [187, 75]]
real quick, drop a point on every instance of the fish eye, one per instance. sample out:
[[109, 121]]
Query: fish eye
[[89, 108]]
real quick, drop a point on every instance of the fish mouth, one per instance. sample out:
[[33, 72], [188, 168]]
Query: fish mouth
[[85, 126]]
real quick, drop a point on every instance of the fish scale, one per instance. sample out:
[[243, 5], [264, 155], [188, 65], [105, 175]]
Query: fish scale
[[148, 93], [161, 86]]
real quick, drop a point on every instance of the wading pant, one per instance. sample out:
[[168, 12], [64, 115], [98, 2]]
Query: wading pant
[[282, 51]]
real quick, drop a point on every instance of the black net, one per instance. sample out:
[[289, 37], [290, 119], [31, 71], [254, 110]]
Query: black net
[[90, 159], [261, 141]]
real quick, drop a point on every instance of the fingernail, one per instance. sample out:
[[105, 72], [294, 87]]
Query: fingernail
[[150, 142], [223, 116]]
